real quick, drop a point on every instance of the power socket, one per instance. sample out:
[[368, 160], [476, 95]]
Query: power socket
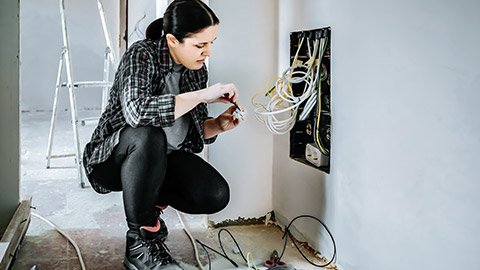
[[314, 156]]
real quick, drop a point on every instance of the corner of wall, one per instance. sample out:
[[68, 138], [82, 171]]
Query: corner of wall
[[9, 110]]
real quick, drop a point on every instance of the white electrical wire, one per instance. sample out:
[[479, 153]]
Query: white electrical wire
[[191, 239], [321, 75], [77, 249], [79, 254], [279, 114]]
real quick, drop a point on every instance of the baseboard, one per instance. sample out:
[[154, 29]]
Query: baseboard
[[14, 234]]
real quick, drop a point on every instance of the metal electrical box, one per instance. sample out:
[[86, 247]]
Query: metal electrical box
[[310, 138]]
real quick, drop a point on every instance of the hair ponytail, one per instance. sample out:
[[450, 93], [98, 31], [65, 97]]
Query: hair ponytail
[[155, 29], [182, 19]]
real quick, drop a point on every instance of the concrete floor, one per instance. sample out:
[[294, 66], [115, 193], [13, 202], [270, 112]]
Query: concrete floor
[[97, 222]]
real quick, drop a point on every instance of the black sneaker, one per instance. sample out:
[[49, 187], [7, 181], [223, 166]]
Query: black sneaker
[[146, 250]]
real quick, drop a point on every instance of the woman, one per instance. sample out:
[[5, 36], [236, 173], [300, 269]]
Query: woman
[[155, 121]]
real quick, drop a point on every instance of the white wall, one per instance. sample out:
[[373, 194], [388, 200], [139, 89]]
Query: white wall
[[244, 54], [403, 189], [9, 111], [41, 45]]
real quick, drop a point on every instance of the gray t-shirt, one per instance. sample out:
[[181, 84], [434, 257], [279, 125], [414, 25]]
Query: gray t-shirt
[[176, 134]]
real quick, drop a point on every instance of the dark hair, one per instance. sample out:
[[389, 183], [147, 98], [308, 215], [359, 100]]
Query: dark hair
[[182, 19]]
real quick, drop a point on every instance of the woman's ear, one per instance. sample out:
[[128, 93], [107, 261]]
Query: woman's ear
[[172, 40]]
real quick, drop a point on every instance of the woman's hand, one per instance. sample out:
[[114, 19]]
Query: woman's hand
[[216, 93], [219, 93], [227, 121]]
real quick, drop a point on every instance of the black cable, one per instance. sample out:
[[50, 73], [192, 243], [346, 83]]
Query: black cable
[[235, 241], [223, 250], [287, 231], [274, 267], [208, 255]]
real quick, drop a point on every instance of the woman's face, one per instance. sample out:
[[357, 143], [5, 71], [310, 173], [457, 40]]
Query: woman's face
[[193, 51]]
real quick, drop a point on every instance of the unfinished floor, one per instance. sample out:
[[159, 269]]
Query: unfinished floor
[[97, 222]]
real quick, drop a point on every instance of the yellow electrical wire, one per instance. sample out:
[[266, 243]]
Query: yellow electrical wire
[[282, 91], [269, 91], [317, 137], [249, 254]]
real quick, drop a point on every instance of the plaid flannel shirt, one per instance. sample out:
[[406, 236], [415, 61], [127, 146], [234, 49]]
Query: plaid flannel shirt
[[137, 99]]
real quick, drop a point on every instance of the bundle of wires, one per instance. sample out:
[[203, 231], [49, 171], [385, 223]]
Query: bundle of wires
[[320, 76], [280, 112], [316, 98]]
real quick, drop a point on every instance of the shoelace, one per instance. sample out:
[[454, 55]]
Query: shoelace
[[158, 250]]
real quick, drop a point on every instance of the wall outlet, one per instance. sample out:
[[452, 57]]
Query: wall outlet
[[314, 156]]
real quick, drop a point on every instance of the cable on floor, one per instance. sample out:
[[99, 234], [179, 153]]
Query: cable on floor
[[224, 254], [191, 239], [250, 258], [274, 267], [287, 232], [77, 249]]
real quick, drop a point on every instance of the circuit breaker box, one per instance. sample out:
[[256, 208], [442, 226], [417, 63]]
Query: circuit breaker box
[[310, 138]]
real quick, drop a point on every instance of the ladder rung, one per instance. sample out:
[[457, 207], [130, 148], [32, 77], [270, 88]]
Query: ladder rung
[[86, 84], [62, 156]]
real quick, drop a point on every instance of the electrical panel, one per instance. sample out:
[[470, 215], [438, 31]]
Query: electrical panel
[[310, 137]]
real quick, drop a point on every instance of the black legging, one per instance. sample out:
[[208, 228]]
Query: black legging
[[140, 167]]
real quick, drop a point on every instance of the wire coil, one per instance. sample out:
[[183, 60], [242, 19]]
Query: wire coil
[[280, 112]]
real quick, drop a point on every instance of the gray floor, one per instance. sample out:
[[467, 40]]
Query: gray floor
[[97, 222]]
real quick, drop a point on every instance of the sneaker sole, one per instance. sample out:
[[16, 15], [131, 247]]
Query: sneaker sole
[[128, 265]]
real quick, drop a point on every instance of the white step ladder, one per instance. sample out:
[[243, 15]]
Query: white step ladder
[[105, 84]]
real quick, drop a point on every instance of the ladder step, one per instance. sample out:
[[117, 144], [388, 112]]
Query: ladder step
[[62, 156], [89, 84]]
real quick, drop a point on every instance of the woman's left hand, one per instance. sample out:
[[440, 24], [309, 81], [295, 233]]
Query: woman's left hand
[[227, 121]]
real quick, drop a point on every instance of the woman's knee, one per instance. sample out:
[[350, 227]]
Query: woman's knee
[[218, 197]]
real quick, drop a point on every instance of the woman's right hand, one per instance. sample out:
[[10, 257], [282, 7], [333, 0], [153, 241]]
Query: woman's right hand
[[219, 93]]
